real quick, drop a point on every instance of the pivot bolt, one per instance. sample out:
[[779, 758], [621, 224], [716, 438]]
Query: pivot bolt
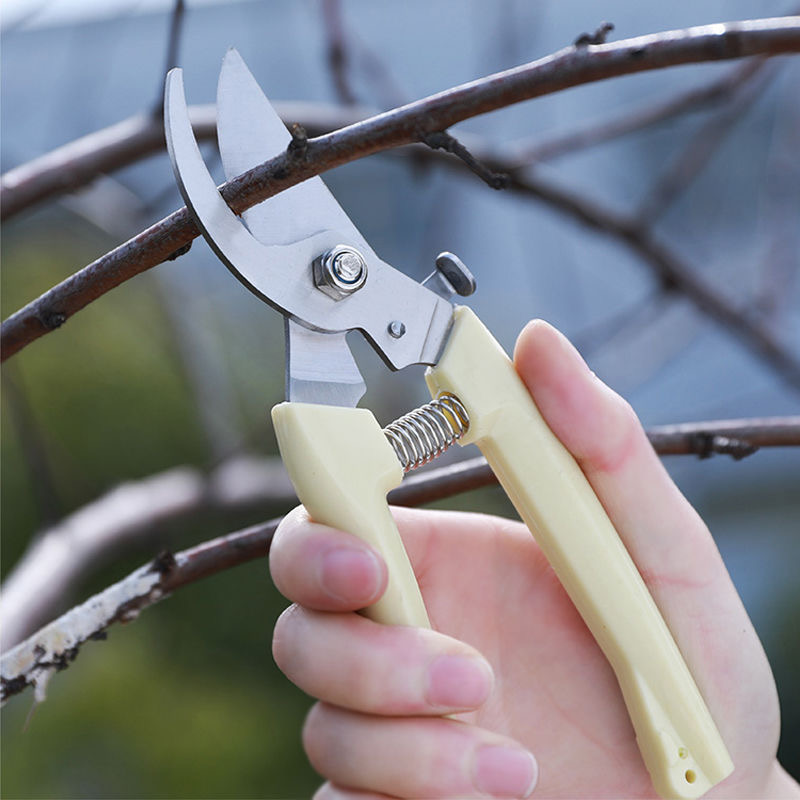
[[340, 271]]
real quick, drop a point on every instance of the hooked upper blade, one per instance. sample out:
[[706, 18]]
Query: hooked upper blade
[[319, 366]]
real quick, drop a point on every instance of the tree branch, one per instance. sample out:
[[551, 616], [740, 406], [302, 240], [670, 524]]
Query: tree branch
[[54, 647], [703, 144], [78, 163], [568, 67], [59, 557], [712, 93], [338, 60], [173, 46], [673, 273]]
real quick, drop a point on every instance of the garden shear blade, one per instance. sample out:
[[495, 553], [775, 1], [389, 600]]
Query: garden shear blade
[[299, 252]]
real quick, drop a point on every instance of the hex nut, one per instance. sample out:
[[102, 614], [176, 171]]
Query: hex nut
[[340, 271]]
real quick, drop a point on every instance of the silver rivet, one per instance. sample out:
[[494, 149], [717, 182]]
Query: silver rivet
[[340, 271], [396, 328]]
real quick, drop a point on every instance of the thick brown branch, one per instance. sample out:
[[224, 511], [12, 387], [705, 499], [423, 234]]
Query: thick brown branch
[[32, 662], [568, 67]]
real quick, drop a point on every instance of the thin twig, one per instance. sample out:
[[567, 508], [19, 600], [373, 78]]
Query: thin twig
[[673, 273], [338, 61], [173, 46], [33, 444], [34, 661], [569, 67], [702, 146], [442, 140]]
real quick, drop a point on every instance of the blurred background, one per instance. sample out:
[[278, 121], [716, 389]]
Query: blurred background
[[178, 368]]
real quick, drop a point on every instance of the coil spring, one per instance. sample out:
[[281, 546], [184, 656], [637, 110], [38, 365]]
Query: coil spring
[[426, 432]]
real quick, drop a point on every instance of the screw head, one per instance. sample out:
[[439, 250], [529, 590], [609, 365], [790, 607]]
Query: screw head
[[396, 329], [340, 271]]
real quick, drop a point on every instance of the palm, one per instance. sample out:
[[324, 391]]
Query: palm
[[555, 692]]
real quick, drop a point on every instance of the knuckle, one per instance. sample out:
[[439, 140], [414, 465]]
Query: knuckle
[[284, 637], [317, 738], [621, 431]]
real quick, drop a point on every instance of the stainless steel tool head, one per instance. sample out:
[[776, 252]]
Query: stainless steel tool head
[[301, 253]]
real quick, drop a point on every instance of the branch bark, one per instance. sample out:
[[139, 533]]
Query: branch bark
[[411, 123], [60, 556], [54, 647], [78, 163]]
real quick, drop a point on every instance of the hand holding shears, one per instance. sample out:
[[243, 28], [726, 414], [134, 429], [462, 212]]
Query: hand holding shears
[[301, 254]]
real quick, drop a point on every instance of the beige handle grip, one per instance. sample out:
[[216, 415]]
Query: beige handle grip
[[679, 742], [342, 466]]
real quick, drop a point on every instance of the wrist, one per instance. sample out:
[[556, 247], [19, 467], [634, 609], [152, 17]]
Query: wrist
[[781, 785]]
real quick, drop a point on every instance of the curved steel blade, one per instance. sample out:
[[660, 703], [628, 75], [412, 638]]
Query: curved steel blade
[[281, 274]]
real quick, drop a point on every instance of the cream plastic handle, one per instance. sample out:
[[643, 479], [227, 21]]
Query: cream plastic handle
[[679, 741], [342, 466]]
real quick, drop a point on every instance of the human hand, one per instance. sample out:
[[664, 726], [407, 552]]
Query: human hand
[[510, 657]]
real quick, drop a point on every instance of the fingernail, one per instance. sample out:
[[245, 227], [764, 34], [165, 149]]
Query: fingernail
[[459, 681], [351, 575], [505, 771]]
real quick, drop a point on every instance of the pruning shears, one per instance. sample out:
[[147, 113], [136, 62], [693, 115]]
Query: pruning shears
[[299, 252]]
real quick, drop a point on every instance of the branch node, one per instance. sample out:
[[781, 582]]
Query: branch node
[[298, 147], [52, 319], [163, 563], [705, 444], [181, 251], [737, 449], [442, 140], [598, 37]]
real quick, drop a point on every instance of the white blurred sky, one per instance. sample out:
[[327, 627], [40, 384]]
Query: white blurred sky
[[36, 13]]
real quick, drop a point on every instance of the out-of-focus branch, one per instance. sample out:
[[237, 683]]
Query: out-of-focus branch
[[33, 444], [337, 50], [733, 437], [173, 46], [63, 554], [78, 163], [673, 272], [411, 123], [713, 93], [33, 662], [702, 146]]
